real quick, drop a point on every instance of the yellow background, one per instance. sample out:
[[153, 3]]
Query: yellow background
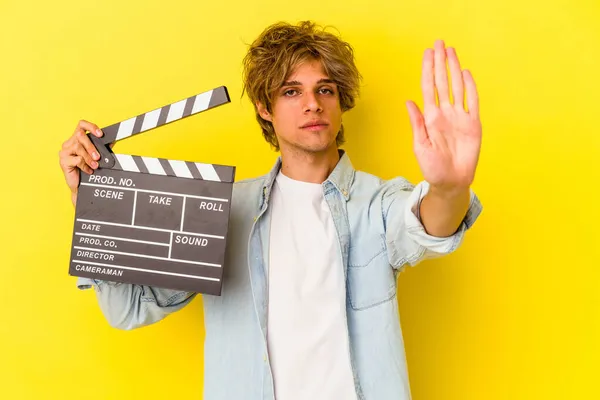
[[512, 315]]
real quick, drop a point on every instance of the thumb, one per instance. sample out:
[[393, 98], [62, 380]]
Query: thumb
[[417, 123]]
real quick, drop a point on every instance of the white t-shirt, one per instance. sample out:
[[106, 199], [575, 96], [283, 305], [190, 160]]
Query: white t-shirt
[[306, 329]]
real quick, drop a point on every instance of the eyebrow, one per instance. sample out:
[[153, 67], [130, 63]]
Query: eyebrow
[[297, 83]]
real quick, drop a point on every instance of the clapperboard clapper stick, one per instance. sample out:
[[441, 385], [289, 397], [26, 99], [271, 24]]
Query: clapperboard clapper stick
[[153, 221]]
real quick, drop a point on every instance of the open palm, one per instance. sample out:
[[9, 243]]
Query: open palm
[[447, 135]]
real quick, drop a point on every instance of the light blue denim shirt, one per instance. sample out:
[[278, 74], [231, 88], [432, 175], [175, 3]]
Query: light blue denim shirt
[[379, 234]]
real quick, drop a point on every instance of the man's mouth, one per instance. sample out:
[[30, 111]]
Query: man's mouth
[[314, 125]]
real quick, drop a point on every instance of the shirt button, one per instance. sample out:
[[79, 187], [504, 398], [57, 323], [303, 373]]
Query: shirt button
[[344, 192]]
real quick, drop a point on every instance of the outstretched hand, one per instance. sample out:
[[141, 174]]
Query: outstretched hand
[[447, 135]]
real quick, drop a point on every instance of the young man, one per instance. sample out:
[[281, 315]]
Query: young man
[[308, 308]]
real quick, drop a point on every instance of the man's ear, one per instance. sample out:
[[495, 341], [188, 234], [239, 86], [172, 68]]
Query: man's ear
[[263, 112]]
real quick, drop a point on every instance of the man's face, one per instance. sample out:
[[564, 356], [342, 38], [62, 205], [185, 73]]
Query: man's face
[[306, 112]]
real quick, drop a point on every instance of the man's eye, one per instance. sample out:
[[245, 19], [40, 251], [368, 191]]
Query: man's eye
[[327, 91], [290, 92]]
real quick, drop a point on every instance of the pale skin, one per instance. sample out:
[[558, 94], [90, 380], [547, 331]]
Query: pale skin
[[447, 136], [447, 139]]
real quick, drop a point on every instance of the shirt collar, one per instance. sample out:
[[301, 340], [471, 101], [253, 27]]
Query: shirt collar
[[341, 178]]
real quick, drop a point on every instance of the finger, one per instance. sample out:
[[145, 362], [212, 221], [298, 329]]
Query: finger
[[85, 141], [458, 91], [441, 77], [427, 82], [82, 165], [472, 95], [63, 157], [67, 144], [417, 123], [89, 127], [71, 162], [81, 151]]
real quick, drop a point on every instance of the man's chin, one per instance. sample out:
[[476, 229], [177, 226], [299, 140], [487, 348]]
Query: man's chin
[[316, 147], [310, 144]]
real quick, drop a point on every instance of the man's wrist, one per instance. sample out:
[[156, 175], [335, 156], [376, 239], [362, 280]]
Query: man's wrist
[[449, 193], [442, 209]]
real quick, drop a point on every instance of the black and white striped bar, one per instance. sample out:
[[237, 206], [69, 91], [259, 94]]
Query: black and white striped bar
[[181, 169], [165, 115]]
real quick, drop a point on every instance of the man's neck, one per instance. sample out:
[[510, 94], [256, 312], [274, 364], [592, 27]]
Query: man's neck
[[309, 167]]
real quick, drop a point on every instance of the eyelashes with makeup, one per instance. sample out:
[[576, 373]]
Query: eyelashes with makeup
[[286, 93]]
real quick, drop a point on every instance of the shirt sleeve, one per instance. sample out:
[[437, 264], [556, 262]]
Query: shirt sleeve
[[407, 241], [128, 306]]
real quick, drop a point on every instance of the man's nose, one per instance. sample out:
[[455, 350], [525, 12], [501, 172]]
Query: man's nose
[[312, 103]]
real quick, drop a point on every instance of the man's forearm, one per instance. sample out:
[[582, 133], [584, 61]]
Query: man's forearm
[[443, 211]]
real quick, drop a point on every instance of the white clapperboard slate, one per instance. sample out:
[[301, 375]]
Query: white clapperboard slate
[[154, 221]]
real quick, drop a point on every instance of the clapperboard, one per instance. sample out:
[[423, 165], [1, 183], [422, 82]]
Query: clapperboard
[[154, 221]]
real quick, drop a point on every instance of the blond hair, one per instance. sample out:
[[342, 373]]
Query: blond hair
[[279, 49]]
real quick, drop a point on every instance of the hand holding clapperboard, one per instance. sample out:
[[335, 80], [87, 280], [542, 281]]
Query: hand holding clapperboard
[[154, 221]]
